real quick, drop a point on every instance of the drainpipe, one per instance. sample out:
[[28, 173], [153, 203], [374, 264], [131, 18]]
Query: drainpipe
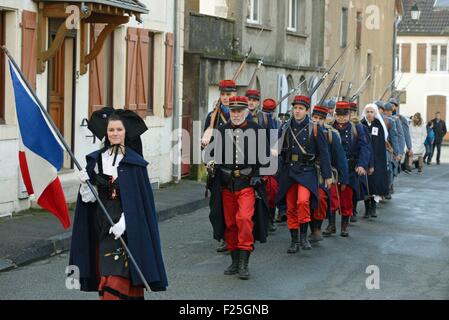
[[177, 112], [397, 20]]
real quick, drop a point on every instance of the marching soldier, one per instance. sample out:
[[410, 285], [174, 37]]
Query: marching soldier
[[358, 152], [218, 117], [253, 105], [271, 124], [240, 211], [301, 142], [393, 146], [327, 204], [405, 129]]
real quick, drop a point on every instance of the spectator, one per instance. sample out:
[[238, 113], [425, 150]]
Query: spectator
[[439, 127], [418, 135], [430, 140]]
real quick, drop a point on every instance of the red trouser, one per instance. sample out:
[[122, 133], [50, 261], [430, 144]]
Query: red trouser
[[345, 200], [238, 210], [298, 206], [272, 187], [320, 212]]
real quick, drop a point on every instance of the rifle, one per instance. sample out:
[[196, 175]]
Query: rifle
[[360, 89], [389, 87], [328, 71], [331, 85]]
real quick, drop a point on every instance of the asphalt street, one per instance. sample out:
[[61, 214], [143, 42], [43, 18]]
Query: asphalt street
[[408, 244]]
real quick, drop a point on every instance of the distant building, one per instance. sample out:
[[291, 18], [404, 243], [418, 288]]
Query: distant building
[[367, 29], [422, 59]]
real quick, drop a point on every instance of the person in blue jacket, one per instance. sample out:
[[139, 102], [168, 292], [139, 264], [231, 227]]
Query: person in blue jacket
[[301, 142], [357, 147], [430, 140], [328, 205]]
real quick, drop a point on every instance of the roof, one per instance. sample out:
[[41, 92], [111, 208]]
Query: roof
[[433, 21], [132, 5]]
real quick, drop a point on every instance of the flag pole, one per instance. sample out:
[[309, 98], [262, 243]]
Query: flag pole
[[75, 161]]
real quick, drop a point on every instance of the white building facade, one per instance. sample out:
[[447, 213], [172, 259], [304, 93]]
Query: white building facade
[[136, 68]]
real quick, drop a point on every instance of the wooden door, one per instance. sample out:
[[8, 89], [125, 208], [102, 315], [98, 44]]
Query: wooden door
[[436, 104], [56, 88]]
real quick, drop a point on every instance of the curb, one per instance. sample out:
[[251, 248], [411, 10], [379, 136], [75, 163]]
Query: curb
[[58, 244]]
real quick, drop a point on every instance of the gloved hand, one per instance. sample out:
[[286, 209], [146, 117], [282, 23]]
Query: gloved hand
[[83, 176], [119, 228], [255, 181]]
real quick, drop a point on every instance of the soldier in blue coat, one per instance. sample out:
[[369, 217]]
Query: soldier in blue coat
[[394, 145], [301, 142], [327, 205], [358, 152], [220, 114]]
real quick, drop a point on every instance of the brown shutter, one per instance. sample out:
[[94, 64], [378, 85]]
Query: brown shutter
[[168, 105], [142, 72], [131, 49], [137, 70], [96, 94], [406, 50], [421, 64], [358, 35], [29, 43]]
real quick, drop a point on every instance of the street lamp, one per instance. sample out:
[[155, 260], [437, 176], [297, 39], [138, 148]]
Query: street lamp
[[415, 12]]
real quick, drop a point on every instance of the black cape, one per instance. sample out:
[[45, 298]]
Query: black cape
[[141, 226], [378, 181], [260, 217]]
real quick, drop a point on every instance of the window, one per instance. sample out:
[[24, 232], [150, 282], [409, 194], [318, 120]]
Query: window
[[438, 58], [292, 15], [2, 69], [253, 11], [344, 28]]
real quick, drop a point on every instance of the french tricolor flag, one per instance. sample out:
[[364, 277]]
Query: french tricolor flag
[[41, 154]]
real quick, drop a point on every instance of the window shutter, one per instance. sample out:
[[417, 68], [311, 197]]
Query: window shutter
[[29, 42], [138, 41], [169, 46], [358, 35], [142, 71], [421, 64], [406, 50], [96, 94], [131, 72]]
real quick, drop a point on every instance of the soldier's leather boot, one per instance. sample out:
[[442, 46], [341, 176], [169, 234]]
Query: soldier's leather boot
[[373, 207], [271, 224], [316, 231], [303, 241], [344, 227], [222, 247], [243, 264], [367, 209], [282, 216], [234, 267], [354, 214], [294, 245], [331, 229]]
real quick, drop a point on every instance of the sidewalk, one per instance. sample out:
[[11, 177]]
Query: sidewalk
[[36, 234]]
